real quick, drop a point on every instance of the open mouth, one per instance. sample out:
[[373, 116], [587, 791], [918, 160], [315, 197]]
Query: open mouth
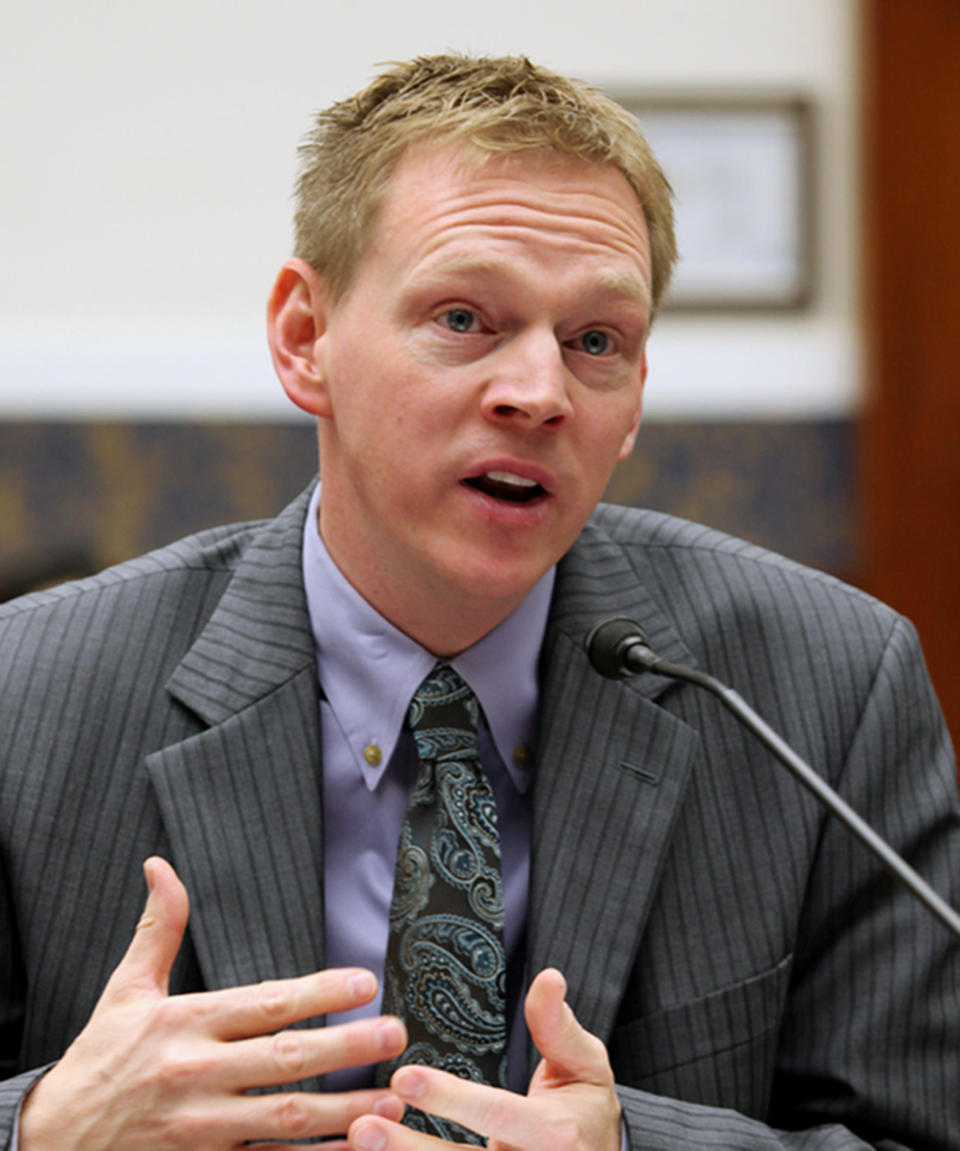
[[506, 486]]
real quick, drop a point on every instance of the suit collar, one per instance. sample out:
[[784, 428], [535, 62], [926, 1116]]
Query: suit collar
[[258, 636]]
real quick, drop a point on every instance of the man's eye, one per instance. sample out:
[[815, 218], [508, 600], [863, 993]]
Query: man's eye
[[595, 343], [459, 319]]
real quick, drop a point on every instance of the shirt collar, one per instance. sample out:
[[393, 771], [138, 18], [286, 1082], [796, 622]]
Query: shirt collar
[[369, 669]]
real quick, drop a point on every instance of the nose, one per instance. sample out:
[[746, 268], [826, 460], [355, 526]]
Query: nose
[[529, 382]]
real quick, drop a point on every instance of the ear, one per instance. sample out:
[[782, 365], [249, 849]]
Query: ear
[[296, 319], [627, 446]]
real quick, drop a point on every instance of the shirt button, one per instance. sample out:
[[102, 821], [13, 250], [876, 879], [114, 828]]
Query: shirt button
[[372, 754], [522, 755]]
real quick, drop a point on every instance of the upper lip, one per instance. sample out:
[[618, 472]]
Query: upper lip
[[520, 468]]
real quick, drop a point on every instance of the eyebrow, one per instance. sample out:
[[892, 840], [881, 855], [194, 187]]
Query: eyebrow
[[629, 286]]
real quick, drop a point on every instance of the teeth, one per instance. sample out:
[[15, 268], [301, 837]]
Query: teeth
[[507, 486], [510, 478]]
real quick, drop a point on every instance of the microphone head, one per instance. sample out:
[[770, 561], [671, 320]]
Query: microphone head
[[608, 642]]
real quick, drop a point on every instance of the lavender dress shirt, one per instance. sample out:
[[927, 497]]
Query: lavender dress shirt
[[368, 672]]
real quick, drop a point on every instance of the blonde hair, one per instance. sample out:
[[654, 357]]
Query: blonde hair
[[498, 105]]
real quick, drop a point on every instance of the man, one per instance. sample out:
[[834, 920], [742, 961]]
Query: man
[[481, 249]]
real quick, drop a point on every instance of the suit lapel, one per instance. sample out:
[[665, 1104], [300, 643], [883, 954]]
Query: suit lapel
[[241, 801], [612, 770]]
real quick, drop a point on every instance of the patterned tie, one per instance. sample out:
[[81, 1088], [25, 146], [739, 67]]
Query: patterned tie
[[445, 971]]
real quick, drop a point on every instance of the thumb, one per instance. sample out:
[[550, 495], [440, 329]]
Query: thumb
[[156, 941], [570, 1053]]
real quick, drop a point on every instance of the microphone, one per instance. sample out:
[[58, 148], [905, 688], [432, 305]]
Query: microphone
[[618, 648]]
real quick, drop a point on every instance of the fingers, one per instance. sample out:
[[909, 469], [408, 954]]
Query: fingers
[[241, 1037], [297, 1115], [243, 1012], [156, 941], [487, 1110], [570, 1052], [234, 1013], [247, 1039], [151, 1069], [571, 1101], [257, 1016], [288, 1056], [372, 1134], [490, 1111]]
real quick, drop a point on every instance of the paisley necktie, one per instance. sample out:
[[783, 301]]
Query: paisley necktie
[[445, 970]]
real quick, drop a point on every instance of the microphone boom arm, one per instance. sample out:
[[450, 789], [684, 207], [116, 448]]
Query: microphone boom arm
[[635, 656]]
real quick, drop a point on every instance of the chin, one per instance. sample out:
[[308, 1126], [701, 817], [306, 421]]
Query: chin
[[496, 579]]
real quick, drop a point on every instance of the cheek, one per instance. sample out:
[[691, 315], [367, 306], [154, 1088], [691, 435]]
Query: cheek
[[361, 397], [612, 431]]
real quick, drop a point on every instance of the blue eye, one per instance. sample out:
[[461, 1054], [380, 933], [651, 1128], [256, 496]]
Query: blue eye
[[594, 342], [459, 319]]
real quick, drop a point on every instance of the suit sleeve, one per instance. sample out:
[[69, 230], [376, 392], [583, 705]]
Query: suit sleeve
[[868, 1053], [13, 1088]]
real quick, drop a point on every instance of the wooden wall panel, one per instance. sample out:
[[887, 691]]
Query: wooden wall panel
[[911, 456]]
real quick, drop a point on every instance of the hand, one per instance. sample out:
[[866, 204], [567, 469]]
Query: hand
[[571, 1104], [163, 1072]]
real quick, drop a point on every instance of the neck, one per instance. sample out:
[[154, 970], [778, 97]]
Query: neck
[[442, 619], [443, 623], [448, 635]]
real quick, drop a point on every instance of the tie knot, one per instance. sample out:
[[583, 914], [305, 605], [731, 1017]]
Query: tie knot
[[443, 702]]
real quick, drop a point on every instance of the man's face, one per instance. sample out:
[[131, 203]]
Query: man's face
[[480, 378]]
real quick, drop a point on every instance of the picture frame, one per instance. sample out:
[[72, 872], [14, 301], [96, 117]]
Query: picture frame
[[742, 170]]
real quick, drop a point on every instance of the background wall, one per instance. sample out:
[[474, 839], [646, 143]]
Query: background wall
[[149, 149], [148, 152]]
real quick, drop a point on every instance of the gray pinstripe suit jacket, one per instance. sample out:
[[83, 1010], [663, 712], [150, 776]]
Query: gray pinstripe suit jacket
[[759, 984]]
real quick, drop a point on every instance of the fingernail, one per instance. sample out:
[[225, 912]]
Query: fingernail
[[387, 1107], [369, 1138], [362, 985], [148, 876], [389, 1034], [409, 1083]]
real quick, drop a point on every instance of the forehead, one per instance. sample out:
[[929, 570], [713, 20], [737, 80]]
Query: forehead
[[455, 198]]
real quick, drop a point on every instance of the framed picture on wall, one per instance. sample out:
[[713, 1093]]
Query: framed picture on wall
[[741, 168]]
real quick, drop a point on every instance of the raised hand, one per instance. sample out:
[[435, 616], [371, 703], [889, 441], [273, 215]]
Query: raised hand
[[155, 1071], [571, 1104]]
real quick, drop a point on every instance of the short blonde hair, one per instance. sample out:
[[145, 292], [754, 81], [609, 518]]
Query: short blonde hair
[[496, 104]]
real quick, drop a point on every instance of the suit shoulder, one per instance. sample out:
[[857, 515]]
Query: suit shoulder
[[154, 605], [643, 527], [196, 558], [666, 540], [714, 578]]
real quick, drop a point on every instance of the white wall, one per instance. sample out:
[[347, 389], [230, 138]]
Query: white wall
[[147, 150]]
